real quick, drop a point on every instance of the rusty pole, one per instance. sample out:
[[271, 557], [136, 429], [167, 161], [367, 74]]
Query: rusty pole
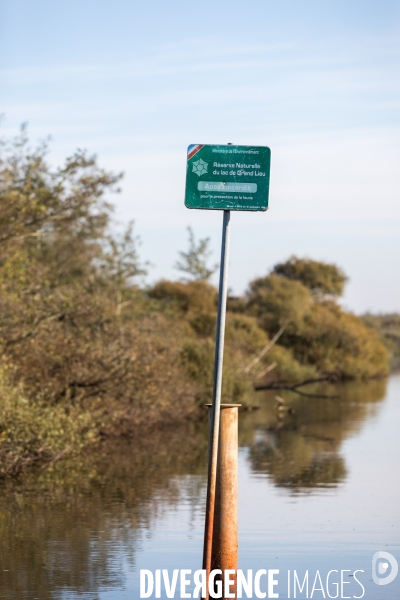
[[224, 553], [216, 400]]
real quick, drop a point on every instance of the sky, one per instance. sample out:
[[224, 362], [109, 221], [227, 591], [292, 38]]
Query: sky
[[136, 82]]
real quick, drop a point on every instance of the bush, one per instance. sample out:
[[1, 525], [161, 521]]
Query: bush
[[193, 296], [338, 343], [322, 338], [323, 279], [278, 301], [32, 431]]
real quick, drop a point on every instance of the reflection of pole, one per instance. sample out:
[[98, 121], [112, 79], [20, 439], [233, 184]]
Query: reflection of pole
[[224, 553], [216, 400]]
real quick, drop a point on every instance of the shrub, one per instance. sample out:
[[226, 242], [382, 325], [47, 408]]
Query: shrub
[[323, 279], [277, 301], [338, 343], [33, 431]]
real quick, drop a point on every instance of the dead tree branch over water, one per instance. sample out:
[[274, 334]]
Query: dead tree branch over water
[[275, 385], [266, 348]]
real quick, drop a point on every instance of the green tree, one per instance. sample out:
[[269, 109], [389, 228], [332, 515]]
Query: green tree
[[299, 295], [323, 279], [278, 301], [338, 343], [64, 278], [194, 261]]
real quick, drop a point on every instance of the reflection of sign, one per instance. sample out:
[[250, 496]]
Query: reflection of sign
[[227, 177]]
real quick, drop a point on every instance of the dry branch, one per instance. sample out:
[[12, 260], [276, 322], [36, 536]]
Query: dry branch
[[274, 385], [266, 348]]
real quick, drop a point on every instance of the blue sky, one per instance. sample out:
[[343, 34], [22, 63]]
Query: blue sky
[[136, 82]]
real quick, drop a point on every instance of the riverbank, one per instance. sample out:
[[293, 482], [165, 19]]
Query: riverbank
[[87, 352]]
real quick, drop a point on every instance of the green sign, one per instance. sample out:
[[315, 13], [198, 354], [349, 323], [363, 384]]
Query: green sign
[[227, 177]]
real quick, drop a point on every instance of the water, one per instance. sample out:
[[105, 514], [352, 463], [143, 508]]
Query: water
[[318, 490]]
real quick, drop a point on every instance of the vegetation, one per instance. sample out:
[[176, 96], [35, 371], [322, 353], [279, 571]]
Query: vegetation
[[388, 328], [194, 261], [87, 353], [321, 279], [34, 431]]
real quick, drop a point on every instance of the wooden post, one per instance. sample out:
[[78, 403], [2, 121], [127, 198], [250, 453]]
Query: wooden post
[[224, 553]]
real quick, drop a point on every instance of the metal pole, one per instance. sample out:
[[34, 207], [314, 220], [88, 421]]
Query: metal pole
[[224, 553], [216, 401]]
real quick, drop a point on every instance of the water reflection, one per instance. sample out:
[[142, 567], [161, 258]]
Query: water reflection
[[63, 532], [302, 450]]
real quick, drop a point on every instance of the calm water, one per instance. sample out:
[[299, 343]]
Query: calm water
[[318, 490]]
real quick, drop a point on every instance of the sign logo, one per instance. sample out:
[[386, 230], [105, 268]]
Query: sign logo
[[380, 564], [200, 167]]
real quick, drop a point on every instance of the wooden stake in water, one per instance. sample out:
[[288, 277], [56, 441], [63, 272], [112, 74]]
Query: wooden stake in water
[[224, 554], [216, 400]]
